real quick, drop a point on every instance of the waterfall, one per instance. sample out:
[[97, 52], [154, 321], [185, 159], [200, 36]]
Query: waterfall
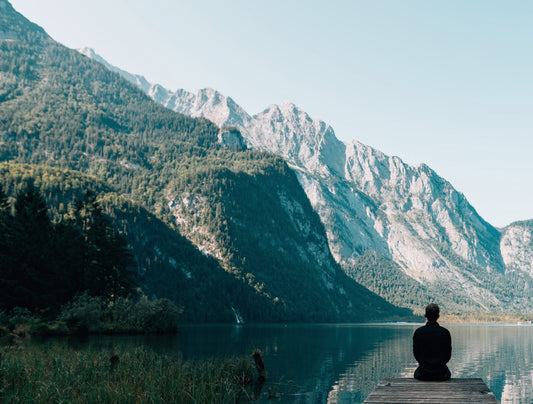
[[238, 317]]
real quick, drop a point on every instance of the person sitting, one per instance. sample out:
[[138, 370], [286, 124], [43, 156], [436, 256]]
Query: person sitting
[[432, 348]]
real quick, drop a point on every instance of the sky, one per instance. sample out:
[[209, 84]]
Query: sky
[[445, 83]]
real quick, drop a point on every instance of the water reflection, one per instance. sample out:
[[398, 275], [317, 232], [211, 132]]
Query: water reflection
[[343, 363], [501, 355]]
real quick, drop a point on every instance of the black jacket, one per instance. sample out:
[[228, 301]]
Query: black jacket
[[432, 347]]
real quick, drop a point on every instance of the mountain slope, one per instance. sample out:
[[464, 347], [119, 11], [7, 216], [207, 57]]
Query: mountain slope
[[414, 220], [169, 265], [61, 109]]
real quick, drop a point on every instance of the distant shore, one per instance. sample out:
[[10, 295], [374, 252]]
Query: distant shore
[[487, 318]]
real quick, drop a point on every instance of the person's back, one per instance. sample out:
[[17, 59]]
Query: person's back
[[432, 348]]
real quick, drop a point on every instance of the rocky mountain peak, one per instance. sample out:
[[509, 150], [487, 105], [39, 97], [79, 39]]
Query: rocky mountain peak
[[91, 54], [209, 104], [138, 80], [370, 201]]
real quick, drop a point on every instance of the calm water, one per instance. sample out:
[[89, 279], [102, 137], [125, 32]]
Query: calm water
[[343, 363]]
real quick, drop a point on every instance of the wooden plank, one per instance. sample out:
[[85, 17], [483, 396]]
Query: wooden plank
[[412, 391]]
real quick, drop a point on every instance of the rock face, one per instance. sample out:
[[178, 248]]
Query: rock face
[[517, 247], [231, 138], [369, 201], [253, 248]]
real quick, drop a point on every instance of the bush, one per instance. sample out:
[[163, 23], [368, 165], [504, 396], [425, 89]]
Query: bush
[[123, 315], [84, 312], [20, 316], [4, 318], [157, 316], [55, 328]]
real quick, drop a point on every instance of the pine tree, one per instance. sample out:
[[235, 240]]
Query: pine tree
[[107, 261], [6, 259], [30, 250], [4, 203]]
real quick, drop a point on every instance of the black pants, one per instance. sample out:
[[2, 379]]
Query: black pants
[[440, 376]]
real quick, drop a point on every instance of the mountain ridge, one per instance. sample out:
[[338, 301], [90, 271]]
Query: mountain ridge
[[62, 110], [369, 201]]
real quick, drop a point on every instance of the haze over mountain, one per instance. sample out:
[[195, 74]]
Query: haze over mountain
[[402, 231], [225, 232]]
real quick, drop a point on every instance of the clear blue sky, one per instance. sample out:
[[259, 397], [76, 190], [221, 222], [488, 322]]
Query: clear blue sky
[[446, 83]]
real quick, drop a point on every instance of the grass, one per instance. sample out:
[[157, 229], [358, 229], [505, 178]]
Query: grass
[[55, 374]]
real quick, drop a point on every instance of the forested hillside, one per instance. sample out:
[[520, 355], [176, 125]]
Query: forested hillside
[[403, 232], [46, 264], [167, 264], [251, 242]]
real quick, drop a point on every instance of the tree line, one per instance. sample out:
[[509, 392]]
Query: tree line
[[44, 264]]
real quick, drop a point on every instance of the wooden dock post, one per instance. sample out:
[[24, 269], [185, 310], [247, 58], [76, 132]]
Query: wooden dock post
[[412, 391]]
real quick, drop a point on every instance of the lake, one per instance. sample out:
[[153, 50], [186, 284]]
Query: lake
[[343, 363]]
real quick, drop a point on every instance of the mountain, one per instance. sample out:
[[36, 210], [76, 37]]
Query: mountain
[[227, 232], [517, 247], [404, 232], [169, 265]]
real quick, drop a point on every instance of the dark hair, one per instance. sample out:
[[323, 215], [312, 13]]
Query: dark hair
[[432, 312]]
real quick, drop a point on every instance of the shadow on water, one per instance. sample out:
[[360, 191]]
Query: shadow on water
[[343, 363]]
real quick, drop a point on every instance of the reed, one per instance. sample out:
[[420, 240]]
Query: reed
[[59, 374]]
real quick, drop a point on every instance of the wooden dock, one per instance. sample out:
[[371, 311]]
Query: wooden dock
[[410, 391]]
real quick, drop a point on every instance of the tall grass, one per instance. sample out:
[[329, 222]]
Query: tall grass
[[34, 374]]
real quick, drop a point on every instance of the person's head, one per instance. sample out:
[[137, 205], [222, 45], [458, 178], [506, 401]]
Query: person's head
[[432, 312]]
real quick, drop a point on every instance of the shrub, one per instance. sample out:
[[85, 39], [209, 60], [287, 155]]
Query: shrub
[[55, 328], [20, 316], [84, 312], [157, 316], [93, 314]]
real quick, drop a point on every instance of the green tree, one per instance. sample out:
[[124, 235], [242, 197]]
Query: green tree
[[109, 267], [6, 259], [30, 251]]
